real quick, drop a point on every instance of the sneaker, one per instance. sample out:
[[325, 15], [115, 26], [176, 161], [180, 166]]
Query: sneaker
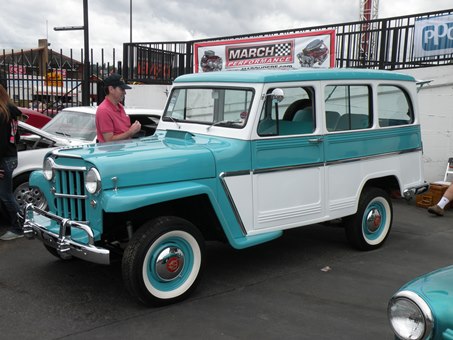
[[9, 235], [436, 210]]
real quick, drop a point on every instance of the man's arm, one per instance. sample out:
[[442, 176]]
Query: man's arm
[[135, 127]]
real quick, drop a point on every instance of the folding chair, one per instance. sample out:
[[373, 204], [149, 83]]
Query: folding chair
[[449, 169]]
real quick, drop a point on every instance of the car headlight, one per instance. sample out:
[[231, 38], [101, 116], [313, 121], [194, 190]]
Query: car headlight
[[93, 181], [410, 316], [47, 168]]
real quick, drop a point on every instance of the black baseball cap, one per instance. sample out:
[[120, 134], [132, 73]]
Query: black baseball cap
[[116, 80]]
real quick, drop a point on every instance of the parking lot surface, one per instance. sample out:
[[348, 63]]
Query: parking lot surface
[[309, 284]]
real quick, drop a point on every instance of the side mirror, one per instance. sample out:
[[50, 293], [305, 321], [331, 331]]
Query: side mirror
[[278, 94]]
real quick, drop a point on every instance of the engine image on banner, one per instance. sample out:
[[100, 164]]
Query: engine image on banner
[[290, 51]]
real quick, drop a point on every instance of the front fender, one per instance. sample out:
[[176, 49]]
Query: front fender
[[38, 180], [126, 199]]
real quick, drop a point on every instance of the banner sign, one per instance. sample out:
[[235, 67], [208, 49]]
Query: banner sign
[[17, 69], [433, 36], [289, 51]]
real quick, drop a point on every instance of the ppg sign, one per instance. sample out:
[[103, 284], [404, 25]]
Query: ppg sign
[[438, 37], [433, 36]]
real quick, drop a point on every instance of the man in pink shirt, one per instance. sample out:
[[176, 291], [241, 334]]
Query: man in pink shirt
[[112, 122]]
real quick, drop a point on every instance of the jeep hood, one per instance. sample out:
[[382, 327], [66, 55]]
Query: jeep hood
[[150, 160]]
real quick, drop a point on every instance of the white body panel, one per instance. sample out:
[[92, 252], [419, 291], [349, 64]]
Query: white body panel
[[280, 200]]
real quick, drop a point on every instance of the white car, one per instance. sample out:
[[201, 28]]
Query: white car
[[72, 126]]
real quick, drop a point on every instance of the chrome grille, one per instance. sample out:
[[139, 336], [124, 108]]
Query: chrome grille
[[70, 195]]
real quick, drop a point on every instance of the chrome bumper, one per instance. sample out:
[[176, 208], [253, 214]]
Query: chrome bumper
[[62, 242], [412, 192]]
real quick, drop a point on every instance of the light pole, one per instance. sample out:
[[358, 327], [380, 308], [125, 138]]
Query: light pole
[[86, 61], [130, 22], [130, 64]]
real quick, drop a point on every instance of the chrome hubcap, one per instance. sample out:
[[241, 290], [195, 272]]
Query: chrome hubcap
[[169, 263], [24, 195], [373, 220]]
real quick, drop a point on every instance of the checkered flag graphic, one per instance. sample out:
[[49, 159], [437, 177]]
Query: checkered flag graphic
[[282, 49]]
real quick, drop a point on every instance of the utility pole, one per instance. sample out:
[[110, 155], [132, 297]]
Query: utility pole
[[86, 58]]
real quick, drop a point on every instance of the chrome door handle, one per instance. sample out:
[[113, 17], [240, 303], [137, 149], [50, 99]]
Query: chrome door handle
[[316, 140]]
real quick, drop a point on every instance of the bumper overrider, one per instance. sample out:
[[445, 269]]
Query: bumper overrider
[[62, 242]]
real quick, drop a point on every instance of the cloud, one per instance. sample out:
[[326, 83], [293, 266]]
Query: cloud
[[176, 20]]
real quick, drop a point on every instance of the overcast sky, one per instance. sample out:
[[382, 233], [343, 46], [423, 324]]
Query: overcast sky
[[23, 22]]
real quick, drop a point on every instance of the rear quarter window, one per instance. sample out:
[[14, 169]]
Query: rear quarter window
[[394, 106]]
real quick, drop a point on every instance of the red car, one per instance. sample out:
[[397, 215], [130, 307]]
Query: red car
[[34, 118]]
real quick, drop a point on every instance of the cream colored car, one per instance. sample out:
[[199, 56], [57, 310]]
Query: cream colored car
[[72, 126]]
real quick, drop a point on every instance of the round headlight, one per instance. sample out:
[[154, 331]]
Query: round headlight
[[410, 316], [47, 168], [93, 181]]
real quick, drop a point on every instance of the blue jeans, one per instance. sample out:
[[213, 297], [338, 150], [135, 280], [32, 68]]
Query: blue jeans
[[8, 164]]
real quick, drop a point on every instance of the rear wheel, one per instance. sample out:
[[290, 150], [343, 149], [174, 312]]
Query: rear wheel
[[163, 261], [370, 226]]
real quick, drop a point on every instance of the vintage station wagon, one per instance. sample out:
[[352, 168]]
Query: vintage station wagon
[[238, 157]]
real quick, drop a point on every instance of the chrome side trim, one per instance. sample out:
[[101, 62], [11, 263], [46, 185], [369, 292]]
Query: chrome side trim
[[357, 159], [287, 168], [317, 164]]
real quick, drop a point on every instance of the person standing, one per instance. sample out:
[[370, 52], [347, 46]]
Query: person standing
[[9, 136], [112, 122]]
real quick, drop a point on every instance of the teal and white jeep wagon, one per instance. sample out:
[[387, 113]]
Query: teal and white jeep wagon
[[238, 157]]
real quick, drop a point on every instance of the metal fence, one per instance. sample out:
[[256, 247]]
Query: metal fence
[[381, 43], [48, 80]]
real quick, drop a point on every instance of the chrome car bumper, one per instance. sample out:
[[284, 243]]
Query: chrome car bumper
[[62, 242], [412, 192]]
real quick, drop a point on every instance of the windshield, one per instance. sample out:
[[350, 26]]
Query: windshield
[[211, 106], [78, 125]]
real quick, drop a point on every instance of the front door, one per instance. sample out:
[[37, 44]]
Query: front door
[[288, 163]]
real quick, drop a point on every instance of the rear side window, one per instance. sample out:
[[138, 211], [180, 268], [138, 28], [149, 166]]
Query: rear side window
[[348, 107], [394, 106]]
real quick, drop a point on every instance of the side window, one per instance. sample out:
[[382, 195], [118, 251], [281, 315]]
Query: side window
[[348, 107], [394, 107], [294, 115]]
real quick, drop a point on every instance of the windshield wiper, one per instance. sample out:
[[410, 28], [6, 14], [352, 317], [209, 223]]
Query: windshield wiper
[[62, 133], [173, 120], [225, 123]]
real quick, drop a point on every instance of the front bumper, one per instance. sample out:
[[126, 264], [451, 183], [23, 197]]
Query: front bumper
[[62, 242]]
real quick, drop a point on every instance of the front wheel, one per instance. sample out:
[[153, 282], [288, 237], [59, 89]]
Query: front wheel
[[370, 226], [163, 261]]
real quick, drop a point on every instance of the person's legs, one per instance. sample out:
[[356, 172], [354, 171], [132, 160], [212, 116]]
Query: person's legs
[[438, 209], [6, 194]]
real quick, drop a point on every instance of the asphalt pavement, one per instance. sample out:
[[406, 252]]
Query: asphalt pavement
[[308, 284]]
